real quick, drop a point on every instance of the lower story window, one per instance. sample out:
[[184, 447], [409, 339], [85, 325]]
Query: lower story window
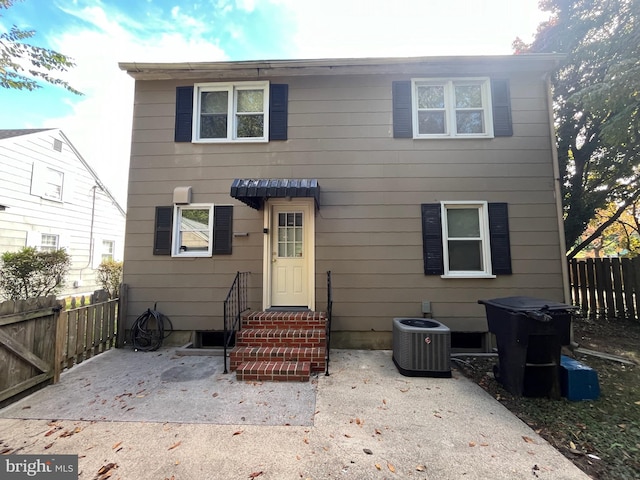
[[108, 250], [49, 243], [193, 230], [465, 231]]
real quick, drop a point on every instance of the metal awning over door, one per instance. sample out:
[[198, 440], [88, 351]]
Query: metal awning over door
[[254, 191]]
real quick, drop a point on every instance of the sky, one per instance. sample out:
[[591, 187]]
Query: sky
[[98, 34]]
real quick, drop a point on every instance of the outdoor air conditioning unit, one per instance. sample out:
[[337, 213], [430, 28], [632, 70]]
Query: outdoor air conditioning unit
[[421, 347]]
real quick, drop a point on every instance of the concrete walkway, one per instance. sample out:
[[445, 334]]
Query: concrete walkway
[[187, 420]]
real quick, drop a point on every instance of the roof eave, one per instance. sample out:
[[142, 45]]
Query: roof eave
[[343, 66]]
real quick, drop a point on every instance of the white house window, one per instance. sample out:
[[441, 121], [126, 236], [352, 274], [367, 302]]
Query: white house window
[[465, 234], [452, 108], [49, 243], [108, 250], [231, 112], [193, 231]]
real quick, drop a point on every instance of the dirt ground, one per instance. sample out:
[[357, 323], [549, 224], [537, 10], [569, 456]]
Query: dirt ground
[[602, 437]]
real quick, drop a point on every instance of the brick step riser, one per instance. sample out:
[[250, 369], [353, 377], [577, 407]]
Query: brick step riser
[[281, 338], [284, 324], [274, 371], [317, 365]]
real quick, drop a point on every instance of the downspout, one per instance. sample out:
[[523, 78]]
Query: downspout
[[93, 214], [558, 194]]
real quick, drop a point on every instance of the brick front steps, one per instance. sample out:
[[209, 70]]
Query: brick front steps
[[280, 346]]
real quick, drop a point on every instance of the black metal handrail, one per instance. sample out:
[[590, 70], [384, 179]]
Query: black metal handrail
[[329, 316], [234, 306]]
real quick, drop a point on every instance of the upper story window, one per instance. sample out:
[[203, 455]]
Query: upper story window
[[49, 183], [457, 108], [231, 112], [193, 230]]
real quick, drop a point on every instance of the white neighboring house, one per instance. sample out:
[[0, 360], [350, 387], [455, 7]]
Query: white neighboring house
[[51, 198]]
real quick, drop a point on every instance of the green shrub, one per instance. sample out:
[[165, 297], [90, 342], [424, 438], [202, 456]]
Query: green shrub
[[30, 273], [110, 277]]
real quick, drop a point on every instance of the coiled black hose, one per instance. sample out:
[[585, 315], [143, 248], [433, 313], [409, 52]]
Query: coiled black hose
[[149, 330]]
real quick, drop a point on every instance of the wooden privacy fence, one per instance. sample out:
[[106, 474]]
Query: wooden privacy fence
[[606, 287], [41, 337]]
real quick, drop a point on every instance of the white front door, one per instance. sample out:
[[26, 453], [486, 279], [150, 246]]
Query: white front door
[[291, 254]]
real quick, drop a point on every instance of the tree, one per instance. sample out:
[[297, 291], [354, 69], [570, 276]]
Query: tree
[[22, 65], [596, 103], [30, 273], [619, 237], [110, 277]]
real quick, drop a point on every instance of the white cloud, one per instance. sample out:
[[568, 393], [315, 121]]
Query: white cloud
[[100, 123], [339, 28]]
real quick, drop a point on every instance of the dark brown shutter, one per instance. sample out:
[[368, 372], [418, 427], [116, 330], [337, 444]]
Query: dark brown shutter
[[162, 231], [222, 229], [499, 239], [402, 118], [432, 239], [278, 111], [184, 114], [501, 102]]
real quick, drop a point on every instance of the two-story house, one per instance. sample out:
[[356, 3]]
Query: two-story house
[[51, 198], [422, 184]]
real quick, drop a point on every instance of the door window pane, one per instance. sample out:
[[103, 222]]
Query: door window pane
[[290, 235]]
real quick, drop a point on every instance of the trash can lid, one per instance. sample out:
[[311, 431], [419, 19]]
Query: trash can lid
[[526, 304]]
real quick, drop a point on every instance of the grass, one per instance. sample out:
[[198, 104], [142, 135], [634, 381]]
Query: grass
[[602, 437]]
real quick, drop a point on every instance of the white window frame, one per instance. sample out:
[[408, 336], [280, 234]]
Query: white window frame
[[176, 250], [108, 250], [232, 90], [483, 213], [41, 182], [49, 248], [450, 109]]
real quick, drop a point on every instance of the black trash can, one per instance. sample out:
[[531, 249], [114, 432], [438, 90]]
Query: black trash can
[[530, 333]]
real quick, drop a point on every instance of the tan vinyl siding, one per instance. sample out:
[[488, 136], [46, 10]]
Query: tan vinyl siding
[[368, 227]]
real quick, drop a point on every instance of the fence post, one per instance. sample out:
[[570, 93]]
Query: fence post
[[60, 318], [122, 315]]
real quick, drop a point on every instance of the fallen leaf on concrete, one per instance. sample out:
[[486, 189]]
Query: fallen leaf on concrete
[[358, 421], [421, 468], [347, 435], [175, 445], [305, 440], [484, 444], [377, 431], [391, 468], [255, 474], [384, 401], [367, 451], [404, 390], [116, 445], [68, 433], [48, 446], [27, 407], [215, 394], [378, 466], [52, 431], [528, 439], [5, 450], [106, 468], [472, 444], [238, 432]]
